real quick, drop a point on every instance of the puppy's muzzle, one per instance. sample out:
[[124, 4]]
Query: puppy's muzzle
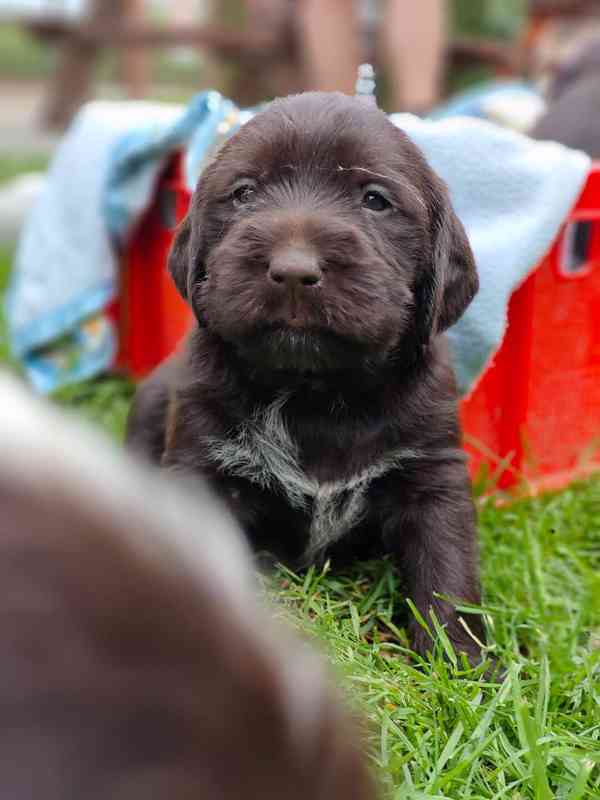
[[295, 269]]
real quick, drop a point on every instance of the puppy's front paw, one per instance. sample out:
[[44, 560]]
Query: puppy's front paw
[[424, 645]]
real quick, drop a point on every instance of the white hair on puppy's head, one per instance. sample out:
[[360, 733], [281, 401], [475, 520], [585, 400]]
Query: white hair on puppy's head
[[366, 83]]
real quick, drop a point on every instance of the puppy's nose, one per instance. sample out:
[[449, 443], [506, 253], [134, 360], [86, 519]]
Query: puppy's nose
[[294, 268]]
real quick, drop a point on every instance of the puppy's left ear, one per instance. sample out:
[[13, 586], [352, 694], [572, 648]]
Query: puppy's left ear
[[454, 263], [451, 281], [179, 262]]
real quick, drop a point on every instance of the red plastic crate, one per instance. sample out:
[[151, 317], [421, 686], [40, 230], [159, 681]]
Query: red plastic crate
[[152, 316], [534, 417]]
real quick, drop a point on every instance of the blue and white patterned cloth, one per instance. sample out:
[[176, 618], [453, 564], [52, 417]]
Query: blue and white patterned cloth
[[100, 181], [512, 194]]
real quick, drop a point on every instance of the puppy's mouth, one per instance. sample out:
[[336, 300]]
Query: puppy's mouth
[[295, 348]]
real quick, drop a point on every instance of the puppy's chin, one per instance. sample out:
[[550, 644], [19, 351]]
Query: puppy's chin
[[302, 350]]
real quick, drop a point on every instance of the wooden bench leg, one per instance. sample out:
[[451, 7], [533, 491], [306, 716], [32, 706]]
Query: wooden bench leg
[[134, 61], [71, 83]]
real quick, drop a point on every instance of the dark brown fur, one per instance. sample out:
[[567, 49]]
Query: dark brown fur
[[357, 351], [135, 661], [573, 114]]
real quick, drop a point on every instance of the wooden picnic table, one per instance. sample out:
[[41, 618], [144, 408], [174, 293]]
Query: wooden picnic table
[[260, 51]]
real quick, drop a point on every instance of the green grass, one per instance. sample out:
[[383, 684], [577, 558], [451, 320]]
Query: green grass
[[443, 730], [439, 729], [13, 165], [21, 56], [5, 259]]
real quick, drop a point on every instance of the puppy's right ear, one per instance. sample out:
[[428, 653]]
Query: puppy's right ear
[[180, 261]]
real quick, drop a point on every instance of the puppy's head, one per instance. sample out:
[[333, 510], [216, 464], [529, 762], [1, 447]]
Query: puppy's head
[[583, 63], [320, 239]]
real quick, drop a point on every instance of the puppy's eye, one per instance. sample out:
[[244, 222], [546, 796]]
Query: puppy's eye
[[375, 200], [243, 193]]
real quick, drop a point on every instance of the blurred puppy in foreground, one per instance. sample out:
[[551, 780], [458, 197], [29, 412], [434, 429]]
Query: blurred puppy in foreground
[[135, 661]]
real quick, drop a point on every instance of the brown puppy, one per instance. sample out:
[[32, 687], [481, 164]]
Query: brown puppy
[[573, 119], [323, 261], [573, 114], [135, 661]]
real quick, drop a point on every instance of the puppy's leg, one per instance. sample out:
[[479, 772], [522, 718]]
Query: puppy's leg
[[434, 544], [147, 422]]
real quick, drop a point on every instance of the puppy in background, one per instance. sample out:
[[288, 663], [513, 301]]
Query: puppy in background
[[323, 261], [573, 115], [573, 95], [135, 662]]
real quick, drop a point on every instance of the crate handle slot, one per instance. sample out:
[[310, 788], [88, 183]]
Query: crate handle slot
[[580, 249], [167, 208]]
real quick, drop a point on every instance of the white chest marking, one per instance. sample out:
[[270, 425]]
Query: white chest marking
[[262, 451]]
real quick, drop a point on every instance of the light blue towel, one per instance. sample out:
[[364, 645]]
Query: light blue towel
[[474, 102], [65, 270], [66, 267], [512, 194]]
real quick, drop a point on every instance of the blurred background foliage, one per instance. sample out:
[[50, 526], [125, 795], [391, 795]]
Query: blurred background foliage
[[24, 58], [493, 18]]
